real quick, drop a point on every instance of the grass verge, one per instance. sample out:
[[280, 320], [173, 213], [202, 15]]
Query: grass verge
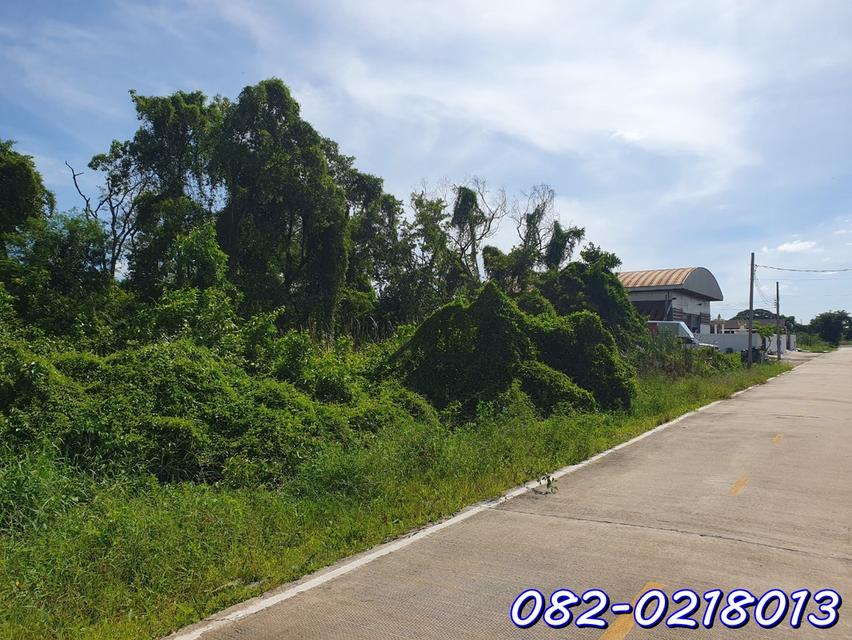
[[819, 347], [130, 558]]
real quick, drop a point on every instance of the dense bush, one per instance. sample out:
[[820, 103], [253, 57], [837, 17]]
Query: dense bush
[[590, 284], [470, 353], [664, 353], [181, 411], [580, 346], [549, 388], [534, 303]]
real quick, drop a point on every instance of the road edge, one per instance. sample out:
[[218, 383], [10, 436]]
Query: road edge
[[343, 566]]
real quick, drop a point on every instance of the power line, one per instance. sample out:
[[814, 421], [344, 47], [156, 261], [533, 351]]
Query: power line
[[767, 300], [813, 279], [766, 266]]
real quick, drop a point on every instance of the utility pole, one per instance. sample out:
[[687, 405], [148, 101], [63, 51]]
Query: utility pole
[[750, 307], [778, 321]]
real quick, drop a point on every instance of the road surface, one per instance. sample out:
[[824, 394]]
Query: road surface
[[753, 492]]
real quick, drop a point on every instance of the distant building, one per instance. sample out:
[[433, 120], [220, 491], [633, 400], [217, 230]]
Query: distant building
[[734, 325], [674, 294], [739, 324]]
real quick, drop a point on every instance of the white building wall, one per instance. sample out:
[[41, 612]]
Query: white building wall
[[734, 341], [739, 341]]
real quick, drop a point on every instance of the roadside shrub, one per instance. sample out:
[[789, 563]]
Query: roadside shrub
[[207, 316], [511, 405], [295, 351], [329, 379], [535, 304], [326, 375], [579, 346], [548, 388], [470, 353], [467, 352], [811, 342], [664, 353], [173, 448], [181, 412], [36, 400]]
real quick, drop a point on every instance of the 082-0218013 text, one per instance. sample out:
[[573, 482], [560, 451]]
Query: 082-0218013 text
[[654, 607]]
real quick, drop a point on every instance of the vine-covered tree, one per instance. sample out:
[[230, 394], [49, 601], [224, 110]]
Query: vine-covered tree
[[22, 191], [284, 223]]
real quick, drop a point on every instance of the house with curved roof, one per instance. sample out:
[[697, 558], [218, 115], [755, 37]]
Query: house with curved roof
[[674, 294]]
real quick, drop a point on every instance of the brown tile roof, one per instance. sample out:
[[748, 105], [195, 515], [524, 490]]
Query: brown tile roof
[[655, 277]]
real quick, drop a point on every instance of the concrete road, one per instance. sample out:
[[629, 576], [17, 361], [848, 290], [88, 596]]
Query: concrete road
[[754, 492]]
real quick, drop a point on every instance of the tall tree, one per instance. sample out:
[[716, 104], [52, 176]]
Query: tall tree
[[174, 143], [284, 223], [54, 269], [831, 326], [543, 242], [561, 245], [22, 191], [116, 207], [475, 218]]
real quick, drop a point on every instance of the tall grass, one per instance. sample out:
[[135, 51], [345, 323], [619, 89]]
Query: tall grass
[[133, 558], [813, 343]]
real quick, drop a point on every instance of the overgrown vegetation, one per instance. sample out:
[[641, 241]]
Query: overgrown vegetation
[[292, 368], [831, 327], [146, 557], [809, 342], [465, 354]]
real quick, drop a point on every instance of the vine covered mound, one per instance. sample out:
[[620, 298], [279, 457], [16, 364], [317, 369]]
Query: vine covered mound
[[472, 352]]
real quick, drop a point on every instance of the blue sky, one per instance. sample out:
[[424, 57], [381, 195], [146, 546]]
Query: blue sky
[[677, 133]]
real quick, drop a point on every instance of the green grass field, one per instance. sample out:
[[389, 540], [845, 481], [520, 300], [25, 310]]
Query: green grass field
[[131, 558]]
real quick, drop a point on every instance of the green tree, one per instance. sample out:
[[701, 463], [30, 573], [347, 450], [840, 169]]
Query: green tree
[[175, 141], [54, 269], [22, 191], [561, 245], [160, 222], [831, 326], [284, 224], [195, 260], [374, 219], [173, 145], [543, 242], [425, 271], [765, 332], [590, 284]]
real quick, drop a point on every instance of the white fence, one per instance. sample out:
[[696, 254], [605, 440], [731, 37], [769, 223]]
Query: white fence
[[737, 342]]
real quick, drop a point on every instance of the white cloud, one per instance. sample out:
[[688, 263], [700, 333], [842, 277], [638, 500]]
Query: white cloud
[[796, 246], [45, 62], [563, 78]]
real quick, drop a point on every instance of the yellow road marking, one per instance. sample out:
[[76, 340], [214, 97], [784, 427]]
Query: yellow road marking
[[777, 439], [624, 623], [738, 487]]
